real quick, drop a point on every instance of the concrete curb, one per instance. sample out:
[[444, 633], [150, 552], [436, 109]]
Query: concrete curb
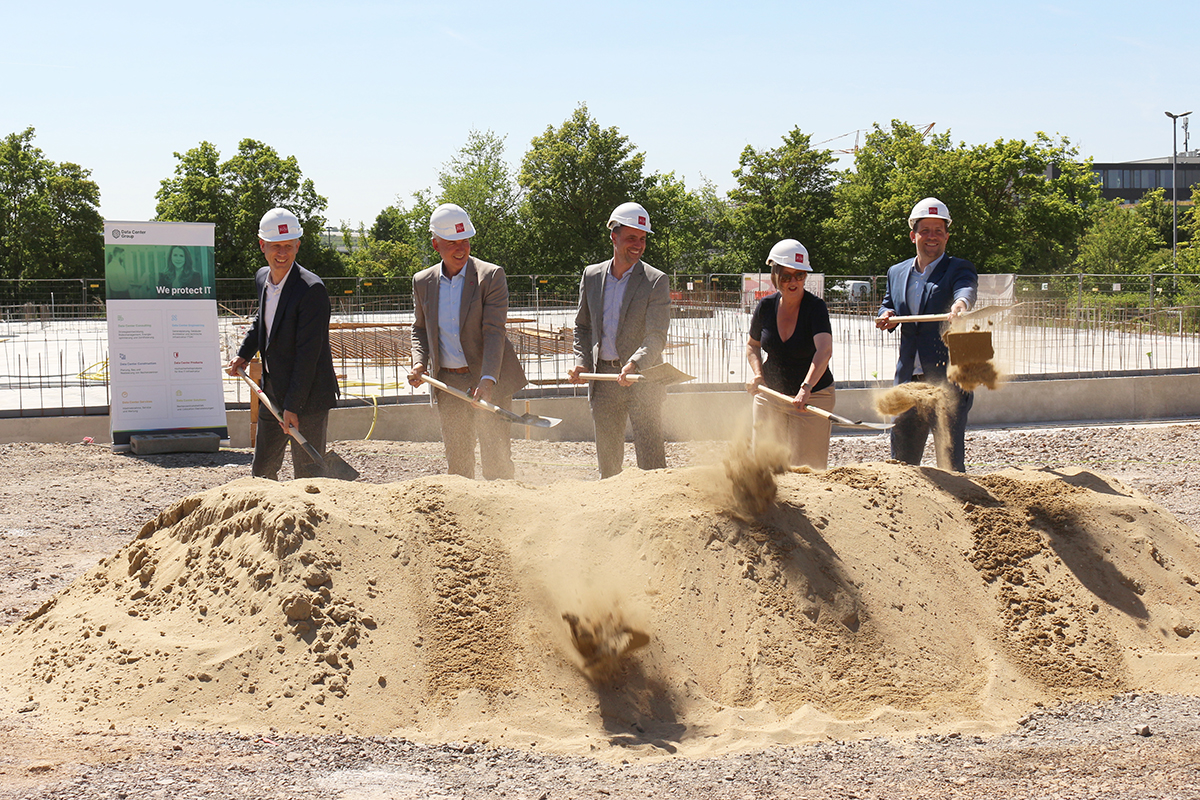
[[717, 415]]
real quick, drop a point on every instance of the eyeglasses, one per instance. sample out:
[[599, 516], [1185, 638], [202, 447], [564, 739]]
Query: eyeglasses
[[788, 277]]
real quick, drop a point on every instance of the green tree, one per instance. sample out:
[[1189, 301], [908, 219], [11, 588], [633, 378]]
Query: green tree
[[1017, 206], [234, 195], [693, 230], [391, 225], [385, 258], [782, 193], [573, 177], [1189, 218], [1155, 210], [397, 244], [50, 223], [867, 230], [480, 180], [1118, 241]]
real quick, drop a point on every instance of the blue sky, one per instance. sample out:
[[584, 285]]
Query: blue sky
[[372, 98]]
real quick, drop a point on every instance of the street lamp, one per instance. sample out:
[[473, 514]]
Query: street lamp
[[1174, 185]]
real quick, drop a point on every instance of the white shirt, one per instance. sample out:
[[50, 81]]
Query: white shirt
[[272, 302]]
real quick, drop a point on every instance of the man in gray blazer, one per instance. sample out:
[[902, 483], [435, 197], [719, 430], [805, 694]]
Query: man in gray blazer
[[621, 328], [461, 306]]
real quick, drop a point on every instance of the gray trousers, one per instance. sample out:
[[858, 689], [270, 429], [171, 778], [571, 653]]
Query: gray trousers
[[641, 404], [463, 423]]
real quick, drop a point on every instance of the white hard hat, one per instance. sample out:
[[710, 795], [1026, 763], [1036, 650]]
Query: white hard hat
[[929, 207], [790, 254], [631, 214], [450, 222], [279, 225]]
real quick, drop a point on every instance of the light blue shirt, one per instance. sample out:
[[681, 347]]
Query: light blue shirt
[[913, 293], [614, 294], [449, 324]]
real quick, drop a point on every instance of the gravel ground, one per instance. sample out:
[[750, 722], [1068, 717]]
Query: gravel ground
[[65, 506]]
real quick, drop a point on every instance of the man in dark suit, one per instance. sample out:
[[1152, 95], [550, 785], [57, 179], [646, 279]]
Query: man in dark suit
[[930, 283], [291, 334], [621, 328], [461, 307]]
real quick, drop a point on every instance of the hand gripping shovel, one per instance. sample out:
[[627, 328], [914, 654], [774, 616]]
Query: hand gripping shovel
[[331, 464], [663, 374], [532, 420], [829, 415]]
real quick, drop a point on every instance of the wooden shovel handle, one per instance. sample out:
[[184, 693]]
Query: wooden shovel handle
[[609, 376], [920, 318], [293, 432]]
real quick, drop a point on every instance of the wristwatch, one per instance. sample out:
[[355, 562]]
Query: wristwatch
[[806, 385]]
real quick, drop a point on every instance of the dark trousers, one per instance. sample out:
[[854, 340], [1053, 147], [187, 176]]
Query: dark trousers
[[271, 442], [641, 404], [913, 427], [462, 423]]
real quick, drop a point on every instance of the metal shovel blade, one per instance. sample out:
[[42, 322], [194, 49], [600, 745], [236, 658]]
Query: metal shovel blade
[[782, 398], [331, 464], [532, 420], [666, 374]]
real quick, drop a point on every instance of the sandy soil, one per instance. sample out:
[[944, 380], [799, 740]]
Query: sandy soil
[[875, 630]]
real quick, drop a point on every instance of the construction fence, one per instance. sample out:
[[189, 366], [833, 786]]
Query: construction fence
[[53, 334]]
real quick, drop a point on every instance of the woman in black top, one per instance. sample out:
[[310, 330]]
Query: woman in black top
[[792, 327]]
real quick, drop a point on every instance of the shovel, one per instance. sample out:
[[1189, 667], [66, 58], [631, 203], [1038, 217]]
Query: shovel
[[966, 347], [982, 311], [532, 420], [331, 465], [663, 374], [829, 415]]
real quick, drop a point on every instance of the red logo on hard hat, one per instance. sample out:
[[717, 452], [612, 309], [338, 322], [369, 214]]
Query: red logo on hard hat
[[799, 258], [459, 227], [283, 229], [641, 220], [933, 210]]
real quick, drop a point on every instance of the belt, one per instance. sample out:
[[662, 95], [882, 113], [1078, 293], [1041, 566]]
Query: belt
[[456, 370], [613, 363]]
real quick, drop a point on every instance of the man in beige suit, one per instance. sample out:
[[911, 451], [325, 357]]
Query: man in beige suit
[[621, 328], [461, 306]]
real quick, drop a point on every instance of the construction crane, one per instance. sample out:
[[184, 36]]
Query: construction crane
[[854, 151]]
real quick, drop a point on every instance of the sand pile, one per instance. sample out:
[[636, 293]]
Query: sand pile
[[863, 601]]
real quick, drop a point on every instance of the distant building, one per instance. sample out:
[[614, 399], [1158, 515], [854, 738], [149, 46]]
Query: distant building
[[1129, 180]]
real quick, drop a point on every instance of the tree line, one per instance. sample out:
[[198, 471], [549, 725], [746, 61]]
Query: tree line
[[1019, 206]]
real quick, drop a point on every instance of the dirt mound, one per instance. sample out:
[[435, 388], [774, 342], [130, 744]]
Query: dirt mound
[[863, 601]]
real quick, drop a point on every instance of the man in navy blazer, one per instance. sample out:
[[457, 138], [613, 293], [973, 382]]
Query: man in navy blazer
[[459, 338], [930, 283], [621, 328], [291, 334]]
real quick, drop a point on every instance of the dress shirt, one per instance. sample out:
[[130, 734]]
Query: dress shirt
[[450, 291], [614, 293], [274, 290]]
